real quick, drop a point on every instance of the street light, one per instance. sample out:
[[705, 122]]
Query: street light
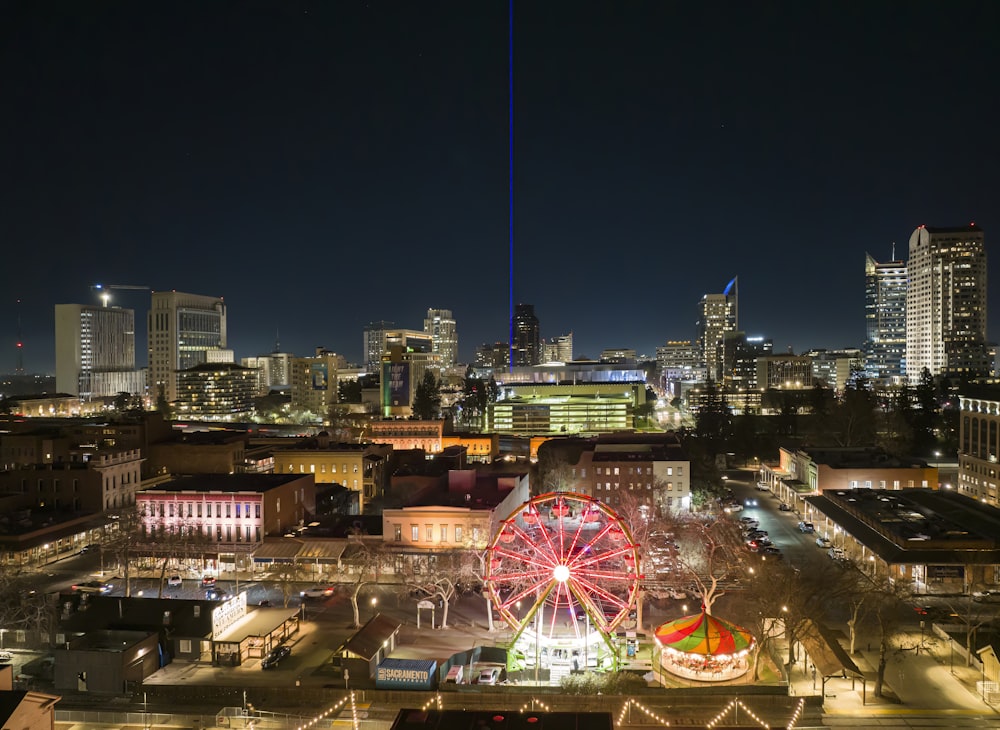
[[374, 603]]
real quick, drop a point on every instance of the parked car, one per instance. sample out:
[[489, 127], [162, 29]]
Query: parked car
[[749, 521], [770, 551], [837, 554], [92, 586], [785, 507], [490, 675], [175, 581], [455, 674], [762, 486], [807, 527], [986, 596], [823, 542], [317, 592], [89, 548], [208, 581], [6, 657], [733, 507], [274, 656]]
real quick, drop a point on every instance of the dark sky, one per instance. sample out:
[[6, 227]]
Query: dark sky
[[323, 164]]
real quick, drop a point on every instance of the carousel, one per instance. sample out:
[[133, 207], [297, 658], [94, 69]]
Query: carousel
[[704, 648]]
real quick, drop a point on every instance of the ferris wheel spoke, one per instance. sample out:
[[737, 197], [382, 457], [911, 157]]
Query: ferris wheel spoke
[[595, 589]]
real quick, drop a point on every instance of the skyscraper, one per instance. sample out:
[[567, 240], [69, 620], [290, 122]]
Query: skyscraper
[[885, 320], [95, 351], [946, 303], [440, 325], [374, 344], [183, 330], [717, 315], [525, 336]]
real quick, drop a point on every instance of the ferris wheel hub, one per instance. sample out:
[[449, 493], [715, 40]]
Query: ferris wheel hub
[[561, 573]]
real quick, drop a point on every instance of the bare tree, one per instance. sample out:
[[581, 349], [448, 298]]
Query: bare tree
[[128, 542], [437, 577], [887, 597], [366, 560], [710, 553], [23, 607]]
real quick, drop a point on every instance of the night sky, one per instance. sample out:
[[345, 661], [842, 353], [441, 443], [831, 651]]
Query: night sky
[[323, 164]]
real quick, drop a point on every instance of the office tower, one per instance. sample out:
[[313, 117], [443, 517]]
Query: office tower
[[885, 320], [183, 330], [492, 356], [374, 344], [525, 340], [717, 315], [440, 325], [95, 351], [558, 349], [946, 303], [739, 360]]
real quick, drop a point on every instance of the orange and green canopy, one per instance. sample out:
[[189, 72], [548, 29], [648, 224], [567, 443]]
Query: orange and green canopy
[[704, 635]]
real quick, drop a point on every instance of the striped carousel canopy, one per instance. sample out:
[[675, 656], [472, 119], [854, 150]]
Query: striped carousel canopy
[[705, 635]]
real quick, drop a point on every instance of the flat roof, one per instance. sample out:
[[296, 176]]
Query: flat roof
[[226, 483], [258, 622], [916, 525]]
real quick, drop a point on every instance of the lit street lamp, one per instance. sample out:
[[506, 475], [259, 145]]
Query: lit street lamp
[[374, 603]]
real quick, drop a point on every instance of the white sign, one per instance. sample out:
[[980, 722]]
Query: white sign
[[425, 604], [228, 613]]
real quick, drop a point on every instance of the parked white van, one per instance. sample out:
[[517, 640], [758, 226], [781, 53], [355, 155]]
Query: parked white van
[[454, 675]]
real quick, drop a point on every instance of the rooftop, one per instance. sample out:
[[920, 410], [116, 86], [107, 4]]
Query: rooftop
[[226, 483]]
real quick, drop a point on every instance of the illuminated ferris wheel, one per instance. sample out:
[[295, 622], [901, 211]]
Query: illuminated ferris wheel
[[565, 562]]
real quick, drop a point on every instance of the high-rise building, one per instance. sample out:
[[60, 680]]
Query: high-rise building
[[440, 325], [717, 315], [183, 330], [558, 349], [95, 351], [946, 303], [525, 336], [885, 320], [374, 344], [494, 356]]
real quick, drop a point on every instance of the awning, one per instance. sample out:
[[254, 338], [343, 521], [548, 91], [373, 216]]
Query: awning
[[279, 550], [825, 652], [322, 550]]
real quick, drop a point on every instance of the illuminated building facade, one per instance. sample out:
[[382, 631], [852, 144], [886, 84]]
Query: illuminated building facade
[[216, 391], [315, 382], [439, 324], [182, 329], [358, 467], [525, 344], [95, 351], [946, 303], [885, 320], [224, 515], [717, 315], [979, 444]]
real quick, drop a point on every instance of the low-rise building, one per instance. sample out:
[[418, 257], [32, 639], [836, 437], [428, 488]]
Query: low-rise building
[[808, 471], [940, 541], [223, 517]]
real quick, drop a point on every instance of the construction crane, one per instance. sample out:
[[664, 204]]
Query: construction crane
[[104, 289]]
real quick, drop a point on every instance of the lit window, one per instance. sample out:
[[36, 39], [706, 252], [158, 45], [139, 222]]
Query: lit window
[[415, 533]]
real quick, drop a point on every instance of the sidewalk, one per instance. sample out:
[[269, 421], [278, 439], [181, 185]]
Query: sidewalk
[[915, 683]]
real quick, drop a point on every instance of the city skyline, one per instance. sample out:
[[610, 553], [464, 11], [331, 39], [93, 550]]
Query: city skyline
[[319, 167]]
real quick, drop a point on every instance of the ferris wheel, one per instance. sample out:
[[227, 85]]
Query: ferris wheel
[[563, 562]]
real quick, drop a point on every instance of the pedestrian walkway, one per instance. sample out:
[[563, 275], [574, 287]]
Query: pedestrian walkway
[[928, 682]]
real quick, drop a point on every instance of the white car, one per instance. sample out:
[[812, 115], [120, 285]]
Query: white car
[[490, 675], [986, 596], [317, 592], [175, 581], [823, 542]]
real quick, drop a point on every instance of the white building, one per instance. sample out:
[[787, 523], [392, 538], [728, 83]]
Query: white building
[[440, 325], [946, 303], [95, 351], [183, 328]]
